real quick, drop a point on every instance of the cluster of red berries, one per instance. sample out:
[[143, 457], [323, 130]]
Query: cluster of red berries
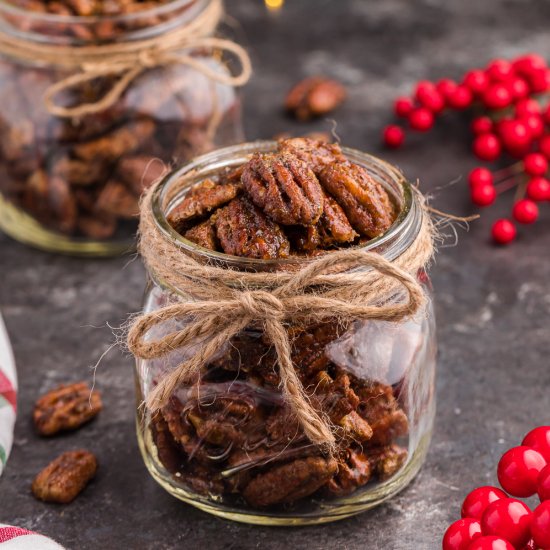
[[491, 520], [509, 94]]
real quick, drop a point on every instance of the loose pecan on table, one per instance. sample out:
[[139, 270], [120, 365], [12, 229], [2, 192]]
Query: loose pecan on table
[[314, 96], [66, 408], [65, 477]]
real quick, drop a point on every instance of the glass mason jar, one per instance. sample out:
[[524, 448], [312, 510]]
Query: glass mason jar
[[229, 445], [72, 183]]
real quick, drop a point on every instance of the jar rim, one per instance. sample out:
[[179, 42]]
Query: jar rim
[[390, 244], [189, 9]]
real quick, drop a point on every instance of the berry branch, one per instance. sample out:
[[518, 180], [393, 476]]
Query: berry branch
[[514, 123]]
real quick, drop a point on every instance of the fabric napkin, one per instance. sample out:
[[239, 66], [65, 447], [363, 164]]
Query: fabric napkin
[[8, 396]]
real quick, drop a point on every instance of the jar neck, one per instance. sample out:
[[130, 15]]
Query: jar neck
[[391, 244], [71, 30]]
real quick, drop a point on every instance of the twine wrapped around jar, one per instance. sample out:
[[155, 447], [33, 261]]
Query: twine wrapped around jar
[[345, 285], [127, 60]]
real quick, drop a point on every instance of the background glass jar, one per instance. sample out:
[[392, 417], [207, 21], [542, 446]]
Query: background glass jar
[[72, 184], [229, 444]]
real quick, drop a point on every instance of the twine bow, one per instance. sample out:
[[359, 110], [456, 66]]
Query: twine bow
[[346, 285], [125, 61]]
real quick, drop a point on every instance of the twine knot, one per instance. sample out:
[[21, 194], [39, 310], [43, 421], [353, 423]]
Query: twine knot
[[217, 303], [261, 305]]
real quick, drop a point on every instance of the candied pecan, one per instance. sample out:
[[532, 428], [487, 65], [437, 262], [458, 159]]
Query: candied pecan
[[140, 171], [365, 202], [290, 482], [386, 461], [316, 154], [356, 427], [119, 142], [116, 200], [168, 451], [200, 201], [79, 173], [65, 477], [335, 396], [314, 96], [243, 230], [204, 235], [380, 409], [284, 188], [354, 470], [66, 408], [282, 426], [98, 226]]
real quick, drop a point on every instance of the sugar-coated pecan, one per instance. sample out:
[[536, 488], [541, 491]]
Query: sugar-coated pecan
[[64, 478], [243, 230], [381, 410], [168, 451], [386, 461], [200, 201], [116, 200], [284, 188], [140, 171], [335, 395], [66, 408], [204, 235], [354, 470], [365, 202], [356, 427], [316, 154], [79, 173], [314, 96], [290, 482]]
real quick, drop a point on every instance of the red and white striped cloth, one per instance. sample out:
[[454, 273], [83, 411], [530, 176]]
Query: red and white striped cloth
[[8, 395], [15, 538]]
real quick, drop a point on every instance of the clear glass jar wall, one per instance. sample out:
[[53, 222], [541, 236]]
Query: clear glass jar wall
[[72, 184], [229, 444]]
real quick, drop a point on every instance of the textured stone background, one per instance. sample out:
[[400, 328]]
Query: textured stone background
[[492, 304]]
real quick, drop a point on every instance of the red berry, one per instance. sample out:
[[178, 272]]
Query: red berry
[[543, 484], [482, 125], [497, 96], [499, 70], [403, 106], [525, 64], [394, 136], [460, 534], [526, 107], [535, 164], [539, 439], [503, 231], [460, 99], [421, 119], [535, 125], [486, 147], [539, 80], [480, 176], [508, 518], [475, 503], [483, 195], [540, 526], [519, 468], [530, 545], [518, 87], [514, 134], [546, 114], [538, 190], [476, 81], [490, 543], [526, 211], [431, 99], [446, 87], [544, 145]]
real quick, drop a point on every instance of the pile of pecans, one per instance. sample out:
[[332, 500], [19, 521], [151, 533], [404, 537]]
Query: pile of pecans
[[231, 433], [304, 199]]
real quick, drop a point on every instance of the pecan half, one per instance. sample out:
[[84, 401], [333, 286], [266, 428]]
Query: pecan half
[[354, 470], [365, 202], [290, 482], [386, 461], [65, 477], [284, 188], [315, 153], [116, 200], [66, 408], [200, 201], [204, 235], [314, 96], [243, 230]]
